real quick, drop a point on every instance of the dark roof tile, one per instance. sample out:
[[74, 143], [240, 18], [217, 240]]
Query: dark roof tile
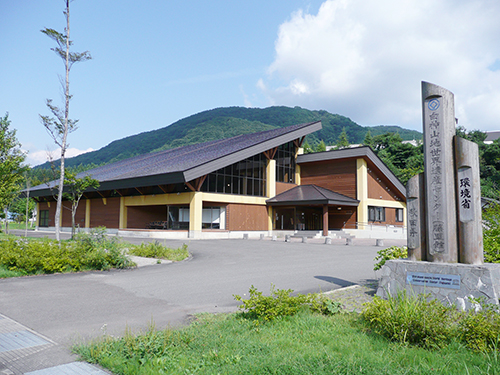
[[188, 162], [311, 194]]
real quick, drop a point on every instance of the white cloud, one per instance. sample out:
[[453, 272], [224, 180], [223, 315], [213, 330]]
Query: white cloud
[[39, 157], [366, 59]]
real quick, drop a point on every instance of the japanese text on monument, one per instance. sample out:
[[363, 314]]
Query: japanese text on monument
[[435, 174]]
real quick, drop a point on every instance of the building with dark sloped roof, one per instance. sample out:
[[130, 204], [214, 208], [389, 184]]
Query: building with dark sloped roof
[[252, 183]]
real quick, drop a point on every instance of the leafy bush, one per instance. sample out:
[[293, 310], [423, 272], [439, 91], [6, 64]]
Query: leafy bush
[[393, 252], [100, 251], [428, 323], [480, 330], [157, 250], [89, 251], [281, 303], [412, 320], [491, 234]]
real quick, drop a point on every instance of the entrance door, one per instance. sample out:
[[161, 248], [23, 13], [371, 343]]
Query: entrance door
[[283, 219], [310, 218]]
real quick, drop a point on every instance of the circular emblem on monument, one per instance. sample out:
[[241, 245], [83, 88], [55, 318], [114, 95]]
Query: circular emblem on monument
[[433, 104]]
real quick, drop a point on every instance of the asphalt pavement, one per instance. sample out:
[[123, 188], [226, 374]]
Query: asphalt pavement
[[66, 309]]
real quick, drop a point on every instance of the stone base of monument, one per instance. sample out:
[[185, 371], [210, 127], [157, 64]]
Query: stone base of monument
[[453, 284]]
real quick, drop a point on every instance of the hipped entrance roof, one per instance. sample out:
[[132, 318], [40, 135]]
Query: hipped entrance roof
[[306, 195]]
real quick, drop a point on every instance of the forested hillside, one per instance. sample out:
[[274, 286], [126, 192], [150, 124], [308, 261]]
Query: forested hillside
[[227, 122]]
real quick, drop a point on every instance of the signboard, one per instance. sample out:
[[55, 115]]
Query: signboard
[[434, 280], [466, 194]]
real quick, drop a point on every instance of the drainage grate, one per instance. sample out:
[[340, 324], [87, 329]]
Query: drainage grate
[[19, 340], [74, 368]]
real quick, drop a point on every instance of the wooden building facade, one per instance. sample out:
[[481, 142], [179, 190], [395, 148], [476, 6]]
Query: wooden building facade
[[257, 182]]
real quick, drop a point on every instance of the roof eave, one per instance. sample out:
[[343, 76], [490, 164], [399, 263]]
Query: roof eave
[[329, 202]]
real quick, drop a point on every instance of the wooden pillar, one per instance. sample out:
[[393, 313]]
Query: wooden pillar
[[87, 213], [195, 213], [123, 214], [325, 220], [271, 178], [440, 195], [415, 204], [362, 192], [470, 230], [37, 215], [270, 219]]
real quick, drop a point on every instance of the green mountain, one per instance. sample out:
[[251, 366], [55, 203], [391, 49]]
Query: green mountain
[[227, 122]]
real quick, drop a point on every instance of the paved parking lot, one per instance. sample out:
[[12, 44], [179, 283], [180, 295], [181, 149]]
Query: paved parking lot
[[66, 309]]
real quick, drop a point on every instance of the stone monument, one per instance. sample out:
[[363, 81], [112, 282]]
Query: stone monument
[[445, 243]]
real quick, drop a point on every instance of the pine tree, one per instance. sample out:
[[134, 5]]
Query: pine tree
[[343, 141], [368, 141]]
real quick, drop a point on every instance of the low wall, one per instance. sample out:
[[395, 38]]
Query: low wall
[[451, 283]]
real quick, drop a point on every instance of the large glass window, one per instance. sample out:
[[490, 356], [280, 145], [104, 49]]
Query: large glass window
[[247, 177], [399, 215], [178, 217], [376, 214], [285, 163], [213, 218]]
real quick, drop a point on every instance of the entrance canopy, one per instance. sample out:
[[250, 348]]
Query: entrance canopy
[[306, 207], [307, 195]]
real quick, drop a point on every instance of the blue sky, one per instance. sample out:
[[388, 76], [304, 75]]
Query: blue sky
[[155, 62]]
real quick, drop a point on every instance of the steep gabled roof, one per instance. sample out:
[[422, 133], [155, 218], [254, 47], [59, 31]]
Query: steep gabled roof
[[306, 195], [186, 163], [355, 152]]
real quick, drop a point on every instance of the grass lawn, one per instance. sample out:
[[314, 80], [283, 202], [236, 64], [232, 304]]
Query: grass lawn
[[303, 344], [20, 226]]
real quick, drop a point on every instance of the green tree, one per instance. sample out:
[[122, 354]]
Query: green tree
[[343, 141], [491, 233], [61, 125], [74, 189], [321, 146], [18, 209], [403, 159], [307, 148], [11, 165], [489, 161], [368, 141]]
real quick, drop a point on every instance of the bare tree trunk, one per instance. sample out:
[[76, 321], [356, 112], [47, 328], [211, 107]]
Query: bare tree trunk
[[65, 133], [73, 213]]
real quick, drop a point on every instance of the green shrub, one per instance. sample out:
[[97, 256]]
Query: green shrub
[[480, 330], [157, 250], [281, 303], [412, 320], [393, 252], [99, 251], [491, 234], [89, 251]]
